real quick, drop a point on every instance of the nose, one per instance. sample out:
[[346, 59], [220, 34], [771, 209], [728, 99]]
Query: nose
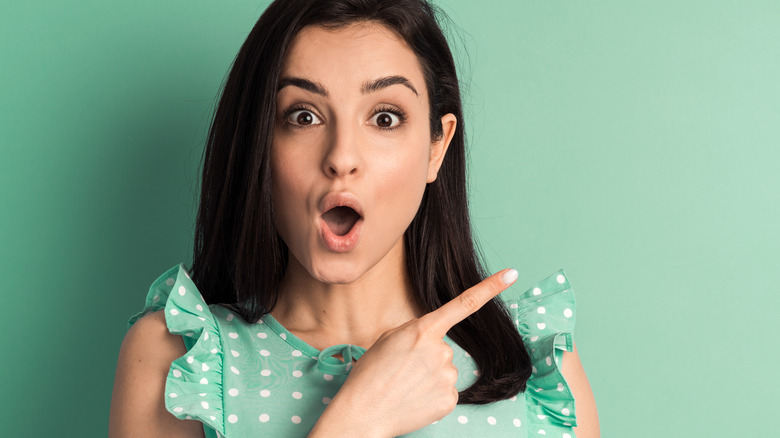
[[342, 157]]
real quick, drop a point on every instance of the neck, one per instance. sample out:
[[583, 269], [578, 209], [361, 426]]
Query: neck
[[357, 313]]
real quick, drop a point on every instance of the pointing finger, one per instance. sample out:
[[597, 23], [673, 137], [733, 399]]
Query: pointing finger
[[468, 302]]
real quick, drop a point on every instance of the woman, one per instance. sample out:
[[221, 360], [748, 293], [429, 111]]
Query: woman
[[333, 226]]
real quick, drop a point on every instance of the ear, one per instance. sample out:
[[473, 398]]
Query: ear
[[439, 147]]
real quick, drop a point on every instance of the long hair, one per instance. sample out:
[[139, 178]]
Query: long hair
[[239, 257]]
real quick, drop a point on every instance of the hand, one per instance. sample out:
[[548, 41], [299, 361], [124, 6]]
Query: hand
[[406, 380]]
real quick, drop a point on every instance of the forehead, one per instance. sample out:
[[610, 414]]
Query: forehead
[[351, 54]]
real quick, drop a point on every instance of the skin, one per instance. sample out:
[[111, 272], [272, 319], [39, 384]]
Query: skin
[[328, 297], [406, 379]]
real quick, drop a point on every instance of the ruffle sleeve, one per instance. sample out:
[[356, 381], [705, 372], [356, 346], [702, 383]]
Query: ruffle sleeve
[[544, 316], [193, 388]]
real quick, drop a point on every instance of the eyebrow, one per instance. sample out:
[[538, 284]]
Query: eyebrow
[[367, 87]]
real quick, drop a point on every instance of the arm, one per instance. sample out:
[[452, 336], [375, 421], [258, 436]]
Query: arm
[[587, 416], [137, 403]]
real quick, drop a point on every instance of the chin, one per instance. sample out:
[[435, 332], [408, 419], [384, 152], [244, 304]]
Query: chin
[[341, 272]]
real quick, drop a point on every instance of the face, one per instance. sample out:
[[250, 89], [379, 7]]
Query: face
[[352, 150]]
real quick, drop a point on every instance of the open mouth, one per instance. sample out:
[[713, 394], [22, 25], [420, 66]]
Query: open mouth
[[340, 219]]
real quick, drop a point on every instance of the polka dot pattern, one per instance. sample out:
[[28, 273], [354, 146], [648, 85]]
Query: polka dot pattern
[[272, 385]]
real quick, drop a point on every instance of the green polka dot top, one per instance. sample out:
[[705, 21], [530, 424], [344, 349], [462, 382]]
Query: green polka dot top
[[250, 380]]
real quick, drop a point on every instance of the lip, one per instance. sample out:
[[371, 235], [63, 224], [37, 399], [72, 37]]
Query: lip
[[348, 241]]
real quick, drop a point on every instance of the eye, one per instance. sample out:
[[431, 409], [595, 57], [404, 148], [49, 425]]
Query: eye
[[300, 117], [388, 118]]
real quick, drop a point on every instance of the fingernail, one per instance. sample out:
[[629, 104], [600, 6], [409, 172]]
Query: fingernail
[[509, 276]]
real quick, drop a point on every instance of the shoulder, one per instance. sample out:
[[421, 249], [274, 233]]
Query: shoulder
[[150, 341], [587, 415]]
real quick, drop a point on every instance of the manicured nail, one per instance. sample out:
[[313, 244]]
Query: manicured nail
[[509, 276]]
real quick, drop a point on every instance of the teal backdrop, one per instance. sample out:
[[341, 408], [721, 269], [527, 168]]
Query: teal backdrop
[[635, 144]]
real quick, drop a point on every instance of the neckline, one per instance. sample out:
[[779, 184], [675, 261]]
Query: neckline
[[301, 345], [289, 337]]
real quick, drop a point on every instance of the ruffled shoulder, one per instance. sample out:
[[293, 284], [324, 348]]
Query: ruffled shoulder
[[193, 389], [544, 316]]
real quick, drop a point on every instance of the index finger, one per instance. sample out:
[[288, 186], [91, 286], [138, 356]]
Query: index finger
[[472, 299]]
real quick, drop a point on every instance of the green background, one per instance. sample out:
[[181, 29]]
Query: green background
[[635, 144]]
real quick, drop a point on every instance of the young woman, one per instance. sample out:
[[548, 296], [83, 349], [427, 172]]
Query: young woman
[[335, 288]]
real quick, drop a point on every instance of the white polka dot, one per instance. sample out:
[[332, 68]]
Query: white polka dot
[[214, 351], [534, 338], [567, 312], [297, 395], [513, 398], [265, 393], [234, 369], [199, 307], [491, 420], [229, 317], [202, 394], [283, 336], [176, 373], [541, 325], [325, 400], [476, 373], [206, 335], [264, 418], [262, 335], [560, 386], [297, 373], [541, 416], [541, 309], [560, 278], [233, 392], [188, 417], [513, 306], [565, 411], [548, 360], [201, 318], [467, 354], [204, 404], [173, 395], [533, 369], [178, 409], [182, 290], [537, 291], [567, 424], [169, 281], [566, 435], [296, 353], [260, 321], [265, 353], [204, 367], [327, 377], [295, 419], [463, 419], [233, 418], [190, 359], [265, 373], [204, 381], [156, 298], [174, 312], [233, 335], [516, 422], [234, 353], [542, 432], [538, 390]]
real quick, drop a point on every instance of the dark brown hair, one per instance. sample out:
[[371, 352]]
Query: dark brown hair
[[239, 257]]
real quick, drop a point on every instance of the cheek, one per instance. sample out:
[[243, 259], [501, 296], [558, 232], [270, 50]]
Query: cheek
[[403, 184]]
